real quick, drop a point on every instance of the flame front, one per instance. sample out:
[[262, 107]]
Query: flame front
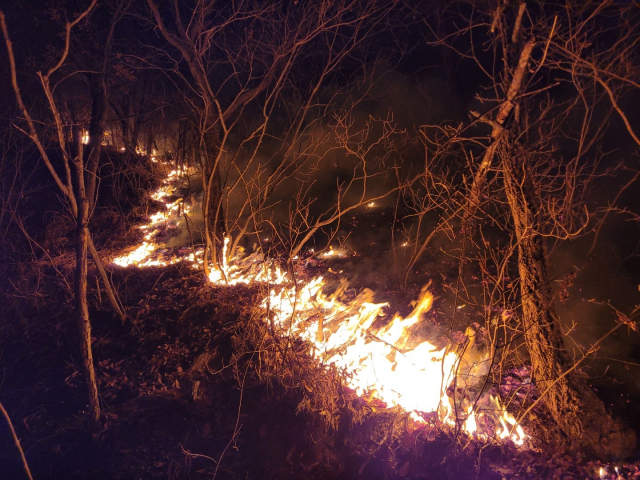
[[375, 358], [145, 255], [376, 361]]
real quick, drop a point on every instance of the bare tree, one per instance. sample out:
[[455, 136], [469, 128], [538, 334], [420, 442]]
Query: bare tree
[[78, 180], [520, 179], [370, 145], [286, 56]]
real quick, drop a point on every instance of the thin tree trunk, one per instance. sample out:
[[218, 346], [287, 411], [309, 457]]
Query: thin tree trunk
[[474, 197], [214, 224], [105, 279], [573, 405], [213, 212], [77, 200], [216, 219], [82, 308], [96, 133], [99, 101]]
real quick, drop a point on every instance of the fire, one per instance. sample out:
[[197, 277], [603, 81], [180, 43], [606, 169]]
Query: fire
[[377, 361], [143, 255], [334, 253], [470, 423], [380, 359], [135, 257]]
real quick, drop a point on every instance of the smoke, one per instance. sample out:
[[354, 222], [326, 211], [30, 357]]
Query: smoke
[[607, 281], [192, 193]]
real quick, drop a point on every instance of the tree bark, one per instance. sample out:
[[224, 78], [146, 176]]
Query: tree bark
[[96, 132], [215, 212], [573, 405], [105, 279], [474, 197], [82, 307]]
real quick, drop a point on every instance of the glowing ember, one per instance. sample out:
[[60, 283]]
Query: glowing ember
[[470, 423]]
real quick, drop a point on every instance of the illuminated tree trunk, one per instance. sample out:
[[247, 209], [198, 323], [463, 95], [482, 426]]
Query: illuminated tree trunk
[[105, 278], [99, 94], [573, 405], [75, 193], [215, 213], [82, 307]]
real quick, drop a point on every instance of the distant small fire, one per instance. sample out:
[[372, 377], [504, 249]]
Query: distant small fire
[[380, 362], [145, 255]]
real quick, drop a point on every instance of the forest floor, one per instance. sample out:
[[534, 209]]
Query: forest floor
[[167, 418], [185, 396]]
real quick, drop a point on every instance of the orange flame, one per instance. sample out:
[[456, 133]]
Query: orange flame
[[342, 333]]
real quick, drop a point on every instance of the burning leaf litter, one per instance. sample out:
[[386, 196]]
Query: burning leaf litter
[[377, 361]]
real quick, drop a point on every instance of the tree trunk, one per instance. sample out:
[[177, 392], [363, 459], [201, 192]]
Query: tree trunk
[[214, 221], [96, 133], [474, 197], [105, 279], [82, 308], [573, 405], [99, 101], [216, 213]]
